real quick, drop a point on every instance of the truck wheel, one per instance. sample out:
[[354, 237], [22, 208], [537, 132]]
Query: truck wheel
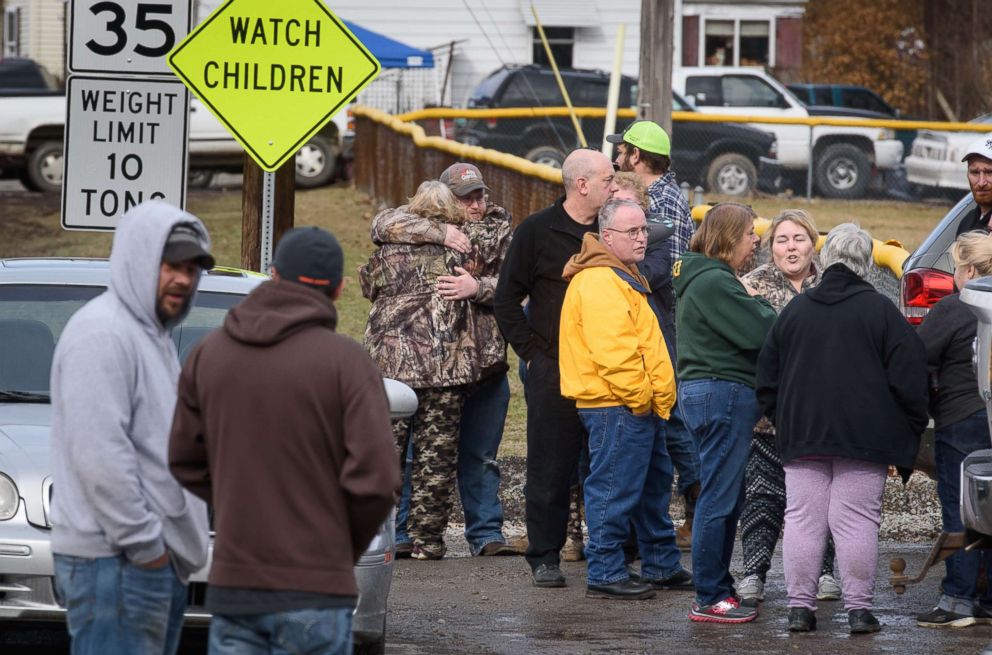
[[25, 179], [843, 172], [731, 174], [45, 167], [315, 163], [546, 155]]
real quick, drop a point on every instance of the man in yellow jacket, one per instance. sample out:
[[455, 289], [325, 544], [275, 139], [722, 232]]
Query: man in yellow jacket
[[615, 365]]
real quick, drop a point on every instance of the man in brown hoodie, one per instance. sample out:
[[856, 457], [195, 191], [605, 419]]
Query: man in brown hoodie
[[615, 365], [282, 425]]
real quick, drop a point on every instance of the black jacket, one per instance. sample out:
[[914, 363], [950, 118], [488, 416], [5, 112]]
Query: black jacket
[[947, 332], [533, 267], [974, 221], [843, 374], [657, 269]]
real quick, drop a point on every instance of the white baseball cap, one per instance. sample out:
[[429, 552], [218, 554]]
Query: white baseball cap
[[981, 147]]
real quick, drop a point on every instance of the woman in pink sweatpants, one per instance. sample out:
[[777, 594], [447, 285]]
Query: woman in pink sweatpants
[[843, 377]]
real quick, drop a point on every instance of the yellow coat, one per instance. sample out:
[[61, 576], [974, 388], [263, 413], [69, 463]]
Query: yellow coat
[[611, 349]]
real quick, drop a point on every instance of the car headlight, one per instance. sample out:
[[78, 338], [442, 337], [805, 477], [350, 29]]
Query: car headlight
[[9, 499], [886, 134]]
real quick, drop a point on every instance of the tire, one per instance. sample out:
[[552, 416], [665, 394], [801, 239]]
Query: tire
[[731, 174], [25, 179], [200, 178], [44, 170], [316, 162], [546, 155], [843, 172]]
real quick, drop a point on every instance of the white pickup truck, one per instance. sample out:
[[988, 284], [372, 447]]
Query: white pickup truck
[[842, 156], [32, 126]]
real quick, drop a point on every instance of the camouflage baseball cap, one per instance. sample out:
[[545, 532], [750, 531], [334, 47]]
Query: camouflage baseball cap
[[646, 135], [463, 179]]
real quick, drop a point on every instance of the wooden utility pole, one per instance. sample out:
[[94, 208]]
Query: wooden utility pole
[[253, 209], [654, 100]]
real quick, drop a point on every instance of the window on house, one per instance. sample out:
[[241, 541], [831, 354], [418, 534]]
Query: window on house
[[719, 43], [12, 32], [737, 43], [754, 43], [562, 43]]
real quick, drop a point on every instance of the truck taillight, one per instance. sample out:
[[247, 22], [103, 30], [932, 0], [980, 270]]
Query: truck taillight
[[351, 120], [491, 123], [921, 290]]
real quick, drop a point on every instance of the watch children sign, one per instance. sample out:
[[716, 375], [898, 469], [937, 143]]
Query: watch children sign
[[273, 73]]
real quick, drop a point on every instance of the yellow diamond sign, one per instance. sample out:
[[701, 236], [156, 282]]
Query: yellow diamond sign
[[273, 71]]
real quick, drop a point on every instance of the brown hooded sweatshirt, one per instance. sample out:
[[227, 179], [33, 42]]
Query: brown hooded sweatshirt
[[283, 426]]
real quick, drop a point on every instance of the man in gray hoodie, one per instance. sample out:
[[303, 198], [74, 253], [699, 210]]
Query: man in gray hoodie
[[126, 537]]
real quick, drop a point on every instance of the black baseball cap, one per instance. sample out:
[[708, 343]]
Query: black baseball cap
[[185, 243], [310, 256]]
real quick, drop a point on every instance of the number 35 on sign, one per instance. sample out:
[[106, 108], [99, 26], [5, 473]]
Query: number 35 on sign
[[124, 37]]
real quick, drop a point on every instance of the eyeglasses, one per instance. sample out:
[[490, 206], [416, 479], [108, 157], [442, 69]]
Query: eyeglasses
[[474, 198], [633, 233]]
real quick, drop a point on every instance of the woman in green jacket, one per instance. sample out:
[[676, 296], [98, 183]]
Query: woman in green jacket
[[721, 323]]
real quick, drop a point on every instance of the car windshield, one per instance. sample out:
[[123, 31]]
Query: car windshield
[[34, 316]]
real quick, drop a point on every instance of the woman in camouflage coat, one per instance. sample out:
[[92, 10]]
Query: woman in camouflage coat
[[793, 269], [437, 346]]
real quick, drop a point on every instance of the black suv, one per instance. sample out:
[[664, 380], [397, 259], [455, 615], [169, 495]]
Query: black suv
[[727, 159]]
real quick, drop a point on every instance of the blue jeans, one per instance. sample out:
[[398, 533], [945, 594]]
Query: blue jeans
[[721, 416], [952, 444], [481, 432], [630, 478], [683, 451], [312, 631], [116, 608]]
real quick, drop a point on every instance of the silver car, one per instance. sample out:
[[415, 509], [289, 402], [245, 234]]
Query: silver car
[[37, 297], [976, 471]]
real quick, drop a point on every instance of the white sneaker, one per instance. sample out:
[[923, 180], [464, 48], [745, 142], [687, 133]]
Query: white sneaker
[[827, 588], [751, 588]]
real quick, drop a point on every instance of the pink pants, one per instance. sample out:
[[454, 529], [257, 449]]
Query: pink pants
[[842, 497]]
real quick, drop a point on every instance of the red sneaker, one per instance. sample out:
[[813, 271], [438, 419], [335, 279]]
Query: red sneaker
[[728, 610]]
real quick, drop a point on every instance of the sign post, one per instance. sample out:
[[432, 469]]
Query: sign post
[[273, 73], [126, 117]]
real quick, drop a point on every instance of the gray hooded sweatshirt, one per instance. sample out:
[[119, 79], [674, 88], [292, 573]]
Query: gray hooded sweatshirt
[[114, 379]]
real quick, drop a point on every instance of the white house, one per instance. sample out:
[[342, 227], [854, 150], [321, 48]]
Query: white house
[[35, 29], [483, 35], [479, 36]]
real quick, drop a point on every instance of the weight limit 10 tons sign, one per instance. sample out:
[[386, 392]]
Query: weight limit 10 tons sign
[[123, 134]]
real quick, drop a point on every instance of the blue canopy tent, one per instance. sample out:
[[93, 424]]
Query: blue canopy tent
[[391, 53]]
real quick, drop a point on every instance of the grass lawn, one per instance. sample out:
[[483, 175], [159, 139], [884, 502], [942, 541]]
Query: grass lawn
[[29, 226]]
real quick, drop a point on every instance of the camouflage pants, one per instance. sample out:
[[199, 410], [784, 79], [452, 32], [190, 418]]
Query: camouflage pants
[[434, 430], [576, 512]]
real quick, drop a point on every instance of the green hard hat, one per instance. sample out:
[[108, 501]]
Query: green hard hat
[[646, 135]]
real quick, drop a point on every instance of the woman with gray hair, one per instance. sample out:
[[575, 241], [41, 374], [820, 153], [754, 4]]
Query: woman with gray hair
[[791, 239], [843, 377]]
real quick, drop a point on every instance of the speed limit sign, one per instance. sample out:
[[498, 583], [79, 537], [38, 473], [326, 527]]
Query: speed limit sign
[[124, 37]]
